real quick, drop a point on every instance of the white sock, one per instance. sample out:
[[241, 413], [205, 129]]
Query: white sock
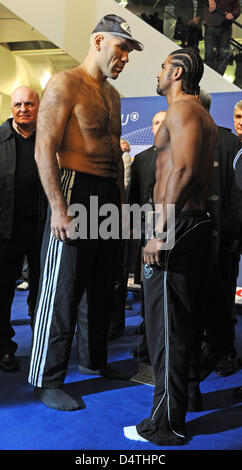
[[131, 433]]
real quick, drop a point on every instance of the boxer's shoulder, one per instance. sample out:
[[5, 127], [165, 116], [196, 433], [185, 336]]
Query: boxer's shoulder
[[65, 80]]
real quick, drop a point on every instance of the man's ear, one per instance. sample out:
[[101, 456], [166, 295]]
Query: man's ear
[[97, 41], [178, 73]]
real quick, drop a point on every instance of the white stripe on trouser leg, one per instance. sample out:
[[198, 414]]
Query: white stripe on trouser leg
[[45, 312], [167, 353], [67, 182], [48, 289], [166, 333], [39, 323], [165, 392]]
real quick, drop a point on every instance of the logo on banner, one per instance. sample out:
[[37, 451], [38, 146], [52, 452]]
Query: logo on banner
[[134, 116]]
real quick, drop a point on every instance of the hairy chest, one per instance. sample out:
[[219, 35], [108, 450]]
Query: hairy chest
[[97, 112]]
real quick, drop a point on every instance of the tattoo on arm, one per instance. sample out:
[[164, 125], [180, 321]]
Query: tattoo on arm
[[53, 114]]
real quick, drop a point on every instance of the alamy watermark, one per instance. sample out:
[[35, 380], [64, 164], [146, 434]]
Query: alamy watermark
[[134, 220]]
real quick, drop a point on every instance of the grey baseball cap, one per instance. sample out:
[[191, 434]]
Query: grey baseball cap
[[116, 25]]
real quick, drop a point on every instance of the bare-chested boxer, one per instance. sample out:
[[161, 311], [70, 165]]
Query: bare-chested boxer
[[174, 279], [78, 156]]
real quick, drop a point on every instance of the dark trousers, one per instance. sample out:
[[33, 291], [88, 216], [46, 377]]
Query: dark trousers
[[217, 45], [86, 355], [120, 291], [219, 324], [173, 312], [69, 270], [25, 241]]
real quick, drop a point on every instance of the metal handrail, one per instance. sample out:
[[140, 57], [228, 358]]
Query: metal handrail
[[222, 13], [236, 44]]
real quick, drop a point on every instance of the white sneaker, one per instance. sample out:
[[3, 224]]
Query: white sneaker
[[131, 433], [23, 286]]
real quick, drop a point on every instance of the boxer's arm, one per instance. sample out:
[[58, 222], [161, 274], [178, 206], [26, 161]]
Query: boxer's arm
[[186, 140], [116, 110], [54, 111], [120, 179]]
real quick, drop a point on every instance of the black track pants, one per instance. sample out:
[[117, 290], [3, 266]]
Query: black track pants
[[67, 270], [173, 310]]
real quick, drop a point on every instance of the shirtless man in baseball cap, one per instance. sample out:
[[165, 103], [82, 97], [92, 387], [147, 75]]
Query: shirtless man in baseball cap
[[78, 156]]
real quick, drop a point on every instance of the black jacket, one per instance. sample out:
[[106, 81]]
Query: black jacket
[[142, 176], [140, 192], [224, 200], [7, 183], [238, 169]]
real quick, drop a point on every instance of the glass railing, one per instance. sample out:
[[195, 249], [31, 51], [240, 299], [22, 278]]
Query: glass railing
[[183, 21]]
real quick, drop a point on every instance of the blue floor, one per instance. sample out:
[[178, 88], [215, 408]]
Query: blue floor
[[26, 424]]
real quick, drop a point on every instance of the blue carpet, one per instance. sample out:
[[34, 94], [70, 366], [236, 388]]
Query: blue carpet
[[26, 424]]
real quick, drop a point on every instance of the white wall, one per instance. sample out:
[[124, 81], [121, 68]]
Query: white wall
[[68, 24]]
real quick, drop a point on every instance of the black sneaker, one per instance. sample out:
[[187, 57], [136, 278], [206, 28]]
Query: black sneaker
[[226, 365], [238, 393], [140, 330], [9, 363]]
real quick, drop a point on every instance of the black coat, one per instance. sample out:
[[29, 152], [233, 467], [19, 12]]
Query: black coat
[[7, 183], [224, 199], [142, 176], [238, 169], [140, 191]]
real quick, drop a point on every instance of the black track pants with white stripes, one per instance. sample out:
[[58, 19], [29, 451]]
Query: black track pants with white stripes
[[173, 316], [66, 271]]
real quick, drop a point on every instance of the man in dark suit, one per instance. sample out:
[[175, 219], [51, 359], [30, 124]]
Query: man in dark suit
[[237, 164], [141, 186], [238, 119], [141, 166], [23, 211], [223, 205]]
